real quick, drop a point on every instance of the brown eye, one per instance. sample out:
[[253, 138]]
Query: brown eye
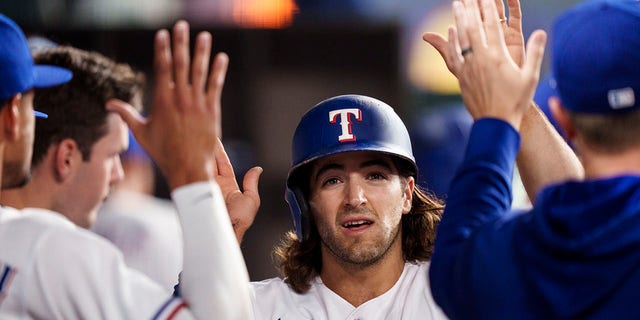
[[331, 181], [377, 176]]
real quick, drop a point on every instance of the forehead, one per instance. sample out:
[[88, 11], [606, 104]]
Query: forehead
[[354, 159]]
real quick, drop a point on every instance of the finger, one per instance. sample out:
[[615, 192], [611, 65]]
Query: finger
[[454, 52], [534, 57], [441, 45], [462, 38], [200, 66], [250, 183], [474, 25], [222, 159], [515, 15], [214, 90], [501, 13], [492, 25], [130, 116], [181, 59], [162, 61]]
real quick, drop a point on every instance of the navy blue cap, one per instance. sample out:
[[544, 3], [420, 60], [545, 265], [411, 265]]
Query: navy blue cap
[[349, 123], [595, 58], [18, 73]]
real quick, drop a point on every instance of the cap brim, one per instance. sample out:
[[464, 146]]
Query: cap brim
[[48, 76], [39, 114]]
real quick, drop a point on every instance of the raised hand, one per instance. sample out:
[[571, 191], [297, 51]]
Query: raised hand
[[181, 135], [493, 83], [242, 206], [512, 28]]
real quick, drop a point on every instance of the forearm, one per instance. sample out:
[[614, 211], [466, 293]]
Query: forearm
[[544, 156], [214, 278], [480, 194]]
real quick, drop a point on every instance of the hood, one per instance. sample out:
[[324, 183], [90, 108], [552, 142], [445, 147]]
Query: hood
[[586, 242]]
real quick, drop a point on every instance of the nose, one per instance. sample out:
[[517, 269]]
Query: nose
[[117, 172], [355, 195]]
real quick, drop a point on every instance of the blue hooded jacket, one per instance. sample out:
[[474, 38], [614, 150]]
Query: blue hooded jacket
[[576, 255]]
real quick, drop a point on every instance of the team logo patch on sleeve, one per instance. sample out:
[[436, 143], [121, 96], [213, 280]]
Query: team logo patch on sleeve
[[7, 273]]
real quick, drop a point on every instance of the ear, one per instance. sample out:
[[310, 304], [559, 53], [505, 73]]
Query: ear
[[407, 194], [64, 160], [10, 115], [561, 115]]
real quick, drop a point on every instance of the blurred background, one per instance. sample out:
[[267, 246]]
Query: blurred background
[[286, 56]]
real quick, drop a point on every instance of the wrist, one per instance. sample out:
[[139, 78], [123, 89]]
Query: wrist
[[183, 175]]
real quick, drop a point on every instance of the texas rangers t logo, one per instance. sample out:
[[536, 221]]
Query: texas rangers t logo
[[345, 122]]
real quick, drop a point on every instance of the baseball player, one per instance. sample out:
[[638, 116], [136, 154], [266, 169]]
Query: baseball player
[[76, 157], [363, 229], [573, 256], [51, 269], [76, 149]]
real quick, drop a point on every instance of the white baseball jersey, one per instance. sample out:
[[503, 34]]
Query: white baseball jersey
[[147, 231], [51, 269], [410, 298]]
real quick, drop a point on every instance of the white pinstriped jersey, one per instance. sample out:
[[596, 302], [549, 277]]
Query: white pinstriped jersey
[[410, 298], [51, 269]]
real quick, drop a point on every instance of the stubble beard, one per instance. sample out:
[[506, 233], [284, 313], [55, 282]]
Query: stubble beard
[[15, 175], [361, 252]]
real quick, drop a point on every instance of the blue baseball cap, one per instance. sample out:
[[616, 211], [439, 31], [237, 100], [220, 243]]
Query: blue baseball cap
[[595, 58], [18, 73]]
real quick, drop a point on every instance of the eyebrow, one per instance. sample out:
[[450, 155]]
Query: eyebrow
[[327, 167], [368, 163]]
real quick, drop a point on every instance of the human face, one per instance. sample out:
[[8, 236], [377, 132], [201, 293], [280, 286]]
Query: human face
[[92, 181], [17, 157], [357, 200]]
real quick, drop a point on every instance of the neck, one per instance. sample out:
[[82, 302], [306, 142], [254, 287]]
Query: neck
[[34, 194], [358, 284], [599, 165]]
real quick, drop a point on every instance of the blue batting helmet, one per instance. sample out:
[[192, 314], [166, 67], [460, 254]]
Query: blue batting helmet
[[342, 124]]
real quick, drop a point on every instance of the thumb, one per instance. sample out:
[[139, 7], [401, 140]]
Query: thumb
[[250, 183], [128, 113], [131, 117], [437, 41], [441, 44]]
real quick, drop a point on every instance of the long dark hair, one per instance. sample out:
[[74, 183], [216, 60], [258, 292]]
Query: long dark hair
[[300, 262]]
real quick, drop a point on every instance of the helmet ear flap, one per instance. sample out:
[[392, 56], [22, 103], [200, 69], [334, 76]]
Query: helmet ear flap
[[299, 212]]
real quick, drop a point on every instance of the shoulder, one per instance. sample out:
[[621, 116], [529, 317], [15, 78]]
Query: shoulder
[[420, 268], [416, 290], [274, 299], [30, 226], [7, 213], [40, 233], [270, 286], [137, 219]]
